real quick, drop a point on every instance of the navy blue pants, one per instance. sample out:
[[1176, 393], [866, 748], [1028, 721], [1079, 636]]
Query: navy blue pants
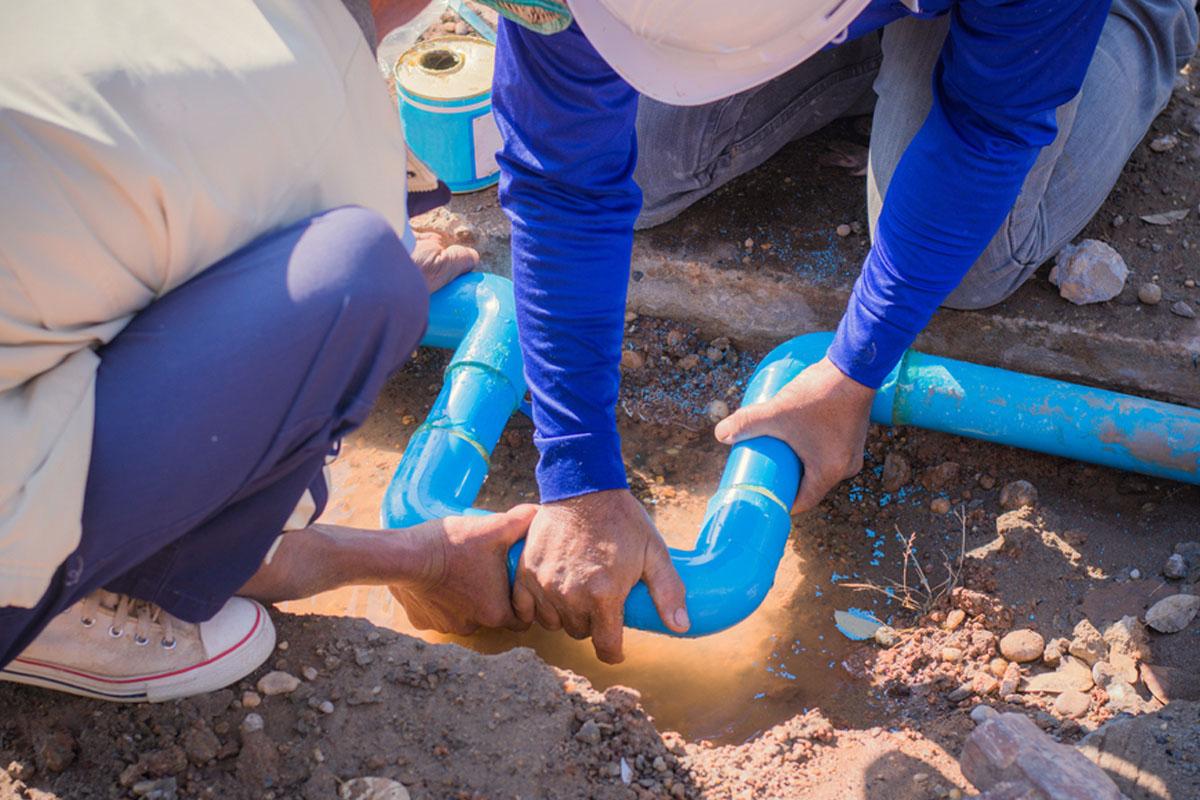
[[217, 405]]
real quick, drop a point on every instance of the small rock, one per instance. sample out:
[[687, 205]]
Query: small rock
[[952, 654], [165, 761], [954, 619], [1087, 645], [1052, 655], [1173, 614], [1011, 680], [1090, 272], [986, 481], [277, 682], [251, 699], [1118, 221], [56, 751], [1182, 309], [163, 789], [1022, 645], [896, 472], [1017, 495], [310, 673], [718, 410], [941, 477], [1127, 637], [1103, 674], [1072, 704], [632, 359], [714, 354], [1175, 568], [1169, 684], [588, 733], [940, 505], [252, 723], [1135, 574], [326, 707], [690, 361], [1072, 674], [1123, 697], [998, 666], [373, 789], [1165, 143], [982, 713], [844, 230], [201, 745], [1150, 293], [886, 636]]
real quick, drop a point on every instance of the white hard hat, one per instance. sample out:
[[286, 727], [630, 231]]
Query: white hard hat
[[689, 52]]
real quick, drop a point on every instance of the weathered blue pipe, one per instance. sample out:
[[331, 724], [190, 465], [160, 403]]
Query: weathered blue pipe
[[745, 528]]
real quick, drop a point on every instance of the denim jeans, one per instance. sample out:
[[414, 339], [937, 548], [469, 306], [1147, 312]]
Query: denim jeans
[[686, 153]]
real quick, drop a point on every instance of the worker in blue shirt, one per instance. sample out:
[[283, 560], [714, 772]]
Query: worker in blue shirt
[[986, 157]]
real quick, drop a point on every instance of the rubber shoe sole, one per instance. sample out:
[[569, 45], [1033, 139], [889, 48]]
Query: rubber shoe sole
[[219, 671]]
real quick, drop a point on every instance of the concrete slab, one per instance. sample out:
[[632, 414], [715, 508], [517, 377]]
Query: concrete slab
[[759, 261]]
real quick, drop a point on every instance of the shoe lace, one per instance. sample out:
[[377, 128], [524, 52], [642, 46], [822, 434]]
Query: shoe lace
[[147, 618]]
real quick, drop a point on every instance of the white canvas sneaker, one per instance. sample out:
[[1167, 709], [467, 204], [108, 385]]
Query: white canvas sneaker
[[113, 647]]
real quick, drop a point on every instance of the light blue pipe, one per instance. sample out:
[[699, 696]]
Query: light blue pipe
[[745, 528]]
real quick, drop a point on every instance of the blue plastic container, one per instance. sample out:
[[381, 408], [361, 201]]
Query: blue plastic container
[[444, 88]]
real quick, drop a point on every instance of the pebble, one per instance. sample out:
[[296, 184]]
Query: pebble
[[277, 682], [961, 693], [952, 654], [982, 713], [1022, 645], [1011, 679], [283, 645], [714, 354], [1052, 655], [1118, 221], [252, 723], [161, 789], [1165, 143], [1135, 574], [896, 472], [251, 699], [373, 789], [632, 359], [718, 410], [1150, 293], [844, 230], [1123, 697], [955, 618], [940, 505], [998, 666], [56, 751], [1103, 674], [201, 745], [886, 636], [1072, 674], [1173, 614], [1017, 495], [309, 673], [1182, 309], [326, 707], [690, 361], [1087, 645], [1072, 704], [1089, 272], [1175, 568], [588, 733]]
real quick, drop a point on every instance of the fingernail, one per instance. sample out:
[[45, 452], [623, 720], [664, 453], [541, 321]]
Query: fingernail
[[681, 619]]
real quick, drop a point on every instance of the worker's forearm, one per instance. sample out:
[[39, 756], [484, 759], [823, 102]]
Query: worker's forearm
[[324, 557]]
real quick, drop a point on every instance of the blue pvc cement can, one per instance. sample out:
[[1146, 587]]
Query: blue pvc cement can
[[444, 88]]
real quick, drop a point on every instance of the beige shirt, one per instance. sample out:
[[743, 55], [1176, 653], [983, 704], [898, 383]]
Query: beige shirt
[[140, 142]]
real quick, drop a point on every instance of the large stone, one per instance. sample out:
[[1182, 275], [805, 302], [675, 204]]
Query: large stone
[[1173, 614], [1010, 749], [1169, 684], [1022, 645], [1153, 756], [1089, 272]]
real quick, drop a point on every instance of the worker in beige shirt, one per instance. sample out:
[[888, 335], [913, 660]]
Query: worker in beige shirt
[[206, 275]]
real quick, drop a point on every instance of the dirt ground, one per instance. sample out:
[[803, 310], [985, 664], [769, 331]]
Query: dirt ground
[[782, 705]]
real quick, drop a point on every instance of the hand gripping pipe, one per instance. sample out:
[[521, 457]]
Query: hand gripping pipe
[[745, 528]]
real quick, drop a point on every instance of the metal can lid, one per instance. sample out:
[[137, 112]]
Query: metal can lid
[[447, 68]]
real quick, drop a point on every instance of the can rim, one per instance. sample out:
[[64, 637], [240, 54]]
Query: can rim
[[401, 88]]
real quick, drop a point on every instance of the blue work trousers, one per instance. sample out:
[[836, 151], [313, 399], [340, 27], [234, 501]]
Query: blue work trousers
[[217, 406]]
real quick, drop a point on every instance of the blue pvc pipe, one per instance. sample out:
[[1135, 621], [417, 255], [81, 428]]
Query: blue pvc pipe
[[746, 526]]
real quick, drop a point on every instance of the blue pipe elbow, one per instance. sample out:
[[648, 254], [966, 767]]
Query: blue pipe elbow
[[746, 525]]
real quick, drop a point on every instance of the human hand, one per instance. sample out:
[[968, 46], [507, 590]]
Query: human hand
[[822, 415], [460, 580], [581, 558], [441, 261]]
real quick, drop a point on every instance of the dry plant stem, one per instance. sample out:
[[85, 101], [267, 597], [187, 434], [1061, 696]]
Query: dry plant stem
[[921, 598]]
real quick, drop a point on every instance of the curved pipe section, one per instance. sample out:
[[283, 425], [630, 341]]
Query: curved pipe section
[[745, 528]]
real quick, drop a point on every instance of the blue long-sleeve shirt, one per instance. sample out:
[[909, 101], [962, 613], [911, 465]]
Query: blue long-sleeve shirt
[[567, 164]]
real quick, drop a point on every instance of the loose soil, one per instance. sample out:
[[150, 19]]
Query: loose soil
[[783, 705]]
